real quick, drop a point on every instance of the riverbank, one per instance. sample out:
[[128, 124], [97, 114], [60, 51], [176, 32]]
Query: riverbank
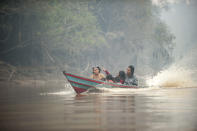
[[30, 76]]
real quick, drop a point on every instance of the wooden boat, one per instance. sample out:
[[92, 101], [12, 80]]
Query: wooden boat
[[82, 84]]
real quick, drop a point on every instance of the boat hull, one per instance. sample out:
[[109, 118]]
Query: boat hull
[[82, 84]]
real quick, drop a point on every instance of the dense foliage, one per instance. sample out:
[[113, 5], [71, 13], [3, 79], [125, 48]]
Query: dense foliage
[[80, 34]]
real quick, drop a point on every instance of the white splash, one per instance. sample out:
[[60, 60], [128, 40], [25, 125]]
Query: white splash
[[183, 73], [68, 91], [107, 90], [174, 76], [160, 2]]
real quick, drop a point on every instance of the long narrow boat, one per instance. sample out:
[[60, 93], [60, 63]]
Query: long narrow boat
[[82, 84]]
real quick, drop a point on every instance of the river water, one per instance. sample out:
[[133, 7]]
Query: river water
[[60, 109]]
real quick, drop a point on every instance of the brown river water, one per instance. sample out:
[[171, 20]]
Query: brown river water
[[60, 109]]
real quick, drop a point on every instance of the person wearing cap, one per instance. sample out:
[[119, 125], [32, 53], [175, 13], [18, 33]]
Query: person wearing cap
[[97, 75], [130, 78]]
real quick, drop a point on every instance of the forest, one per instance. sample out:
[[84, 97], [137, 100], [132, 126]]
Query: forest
[[39, 38]]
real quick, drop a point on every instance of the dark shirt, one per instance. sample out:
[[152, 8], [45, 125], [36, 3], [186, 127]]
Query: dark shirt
[[115, 79], [131, 80]]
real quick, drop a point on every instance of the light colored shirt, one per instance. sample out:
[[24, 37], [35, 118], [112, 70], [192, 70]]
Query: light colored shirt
[[100, 76]]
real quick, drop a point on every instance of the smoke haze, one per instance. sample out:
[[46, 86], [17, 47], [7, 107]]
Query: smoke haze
[[181, 19]]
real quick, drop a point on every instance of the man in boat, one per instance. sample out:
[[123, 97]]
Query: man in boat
[[109, 78], [97, 74], [130, 78], [120, 78]]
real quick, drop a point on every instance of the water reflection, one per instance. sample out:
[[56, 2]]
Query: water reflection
[[95, 111], [59, 109]]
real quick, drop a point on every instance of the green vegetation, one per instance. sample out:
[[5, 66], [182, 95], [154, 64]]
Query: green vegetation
[[76, 35]]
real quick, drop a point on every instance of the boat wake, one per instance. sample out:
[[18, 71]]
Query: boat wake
[[182, 73], [103, 89], [68, 91]]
